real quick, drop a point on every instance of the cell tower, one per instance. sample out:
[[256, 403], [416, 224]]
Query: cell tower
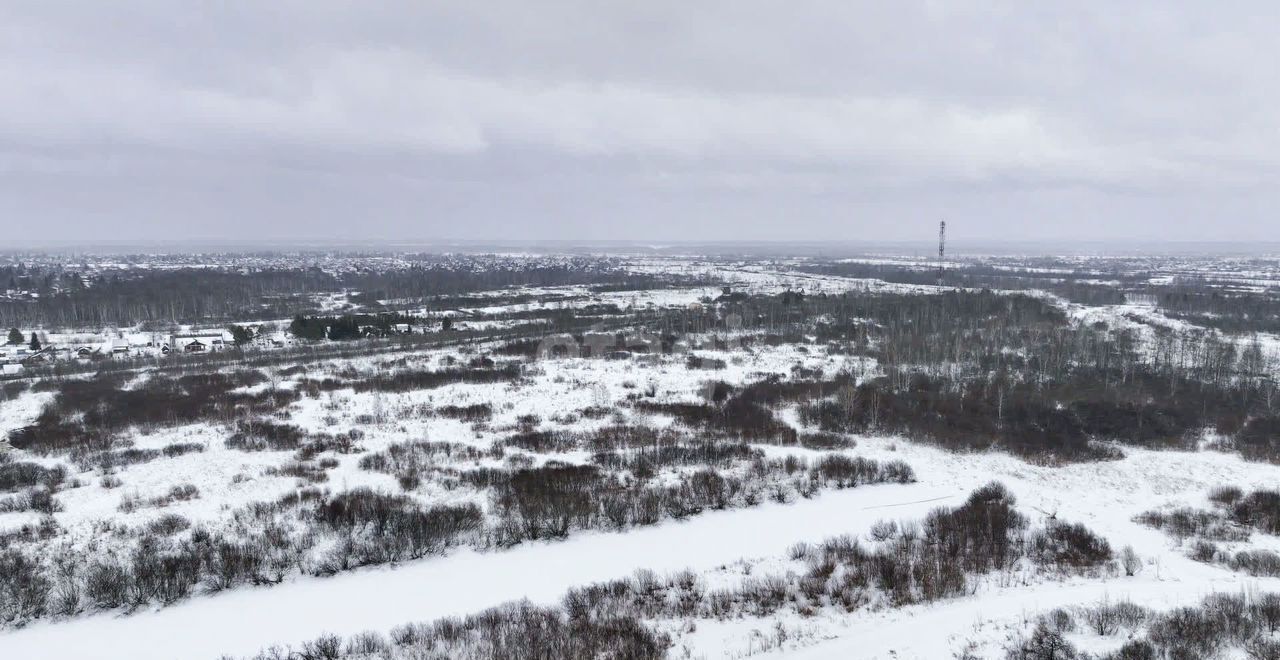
[[942, 246]]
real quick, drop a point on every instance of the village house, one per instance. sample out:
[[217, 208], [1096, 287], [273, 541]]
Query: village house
[[14, 353], [199, 341]]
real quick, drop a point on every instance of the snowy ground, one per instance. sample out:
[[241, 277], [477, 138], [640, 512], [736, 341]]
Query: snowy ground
[[720, 546], [1104, 496]]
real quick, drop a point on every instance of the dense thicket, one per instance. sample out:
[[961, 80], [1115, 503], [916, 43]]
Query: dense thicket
[[1211, 306], [86, 414], [349, 326], [129, 296], [1086, 288], [973, 369]]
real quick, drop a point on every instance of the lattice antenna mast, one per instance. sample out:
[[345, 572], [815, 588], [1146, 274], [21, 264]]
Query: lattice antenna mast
[[942, 247]]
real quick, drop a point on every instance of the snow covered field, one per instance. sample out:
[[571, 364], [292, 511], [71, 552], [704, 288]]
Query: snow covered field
[[1105, 496]]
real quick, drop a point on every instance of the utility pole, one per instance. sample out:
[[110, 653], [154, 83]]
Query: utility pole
[[942, 243]]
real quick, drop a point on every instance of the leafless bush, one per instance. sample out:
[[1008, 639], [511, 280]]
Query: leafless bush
[[826, 441], [1213, 628], [168, 524], [1043, 644], [264, 435], [476, 412], [24, 591], [1226, 495], [1130, 561], [1260, 510], [1203, 551], [1068, 545], [181, 448], [1184, 523], [405, 381], [1256, 562], [17, 475], [883, 530], [306, 471]]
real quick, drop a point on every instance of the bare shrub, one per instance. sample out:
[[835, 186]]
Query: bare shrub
[[883, 530], [168, 524], [1043, 644], [1203, 551], [1068, 545], [1130, 561], [1225, 495]]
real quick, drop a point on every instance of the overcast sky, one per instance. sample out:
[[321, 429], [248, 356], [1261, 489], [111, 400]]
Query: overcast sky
[[496, 119]]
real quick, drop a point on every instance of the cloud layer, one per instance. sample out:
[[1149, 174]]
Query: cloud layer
[[662, 121]]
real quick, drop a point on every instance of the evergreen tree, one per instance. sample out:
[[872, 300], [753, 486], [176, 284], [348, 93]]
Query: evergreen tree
[[240, 335], [15, 336], [35, 342], [307, 328]]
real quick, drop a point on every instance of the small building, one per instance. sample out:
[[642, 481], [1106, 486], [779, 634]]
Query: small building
[[204, 341], [42, 356], [14, 352]]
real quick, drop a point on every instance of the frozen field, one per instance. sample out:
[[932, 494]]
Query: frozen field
[[720, 545], [707, 433]]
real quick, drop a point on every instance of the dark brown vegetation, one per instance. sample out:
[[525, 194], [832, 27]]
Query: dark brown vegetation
[[86, 415], [147, 295], [973, 370]]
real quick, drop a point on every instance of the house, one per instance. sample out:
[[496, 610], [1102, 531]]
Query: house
[[277, 339], [14, 353], [728, 295], [140, 342], [206, 340], [41, 356]]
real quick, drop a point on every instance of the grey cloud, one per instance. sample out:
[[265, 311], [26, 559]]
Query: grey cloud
[[150, 119]]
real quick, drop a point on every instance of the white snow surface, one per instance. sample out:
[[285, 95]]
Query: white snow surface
[[1103, 496], [721, 546], [246, 620]]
